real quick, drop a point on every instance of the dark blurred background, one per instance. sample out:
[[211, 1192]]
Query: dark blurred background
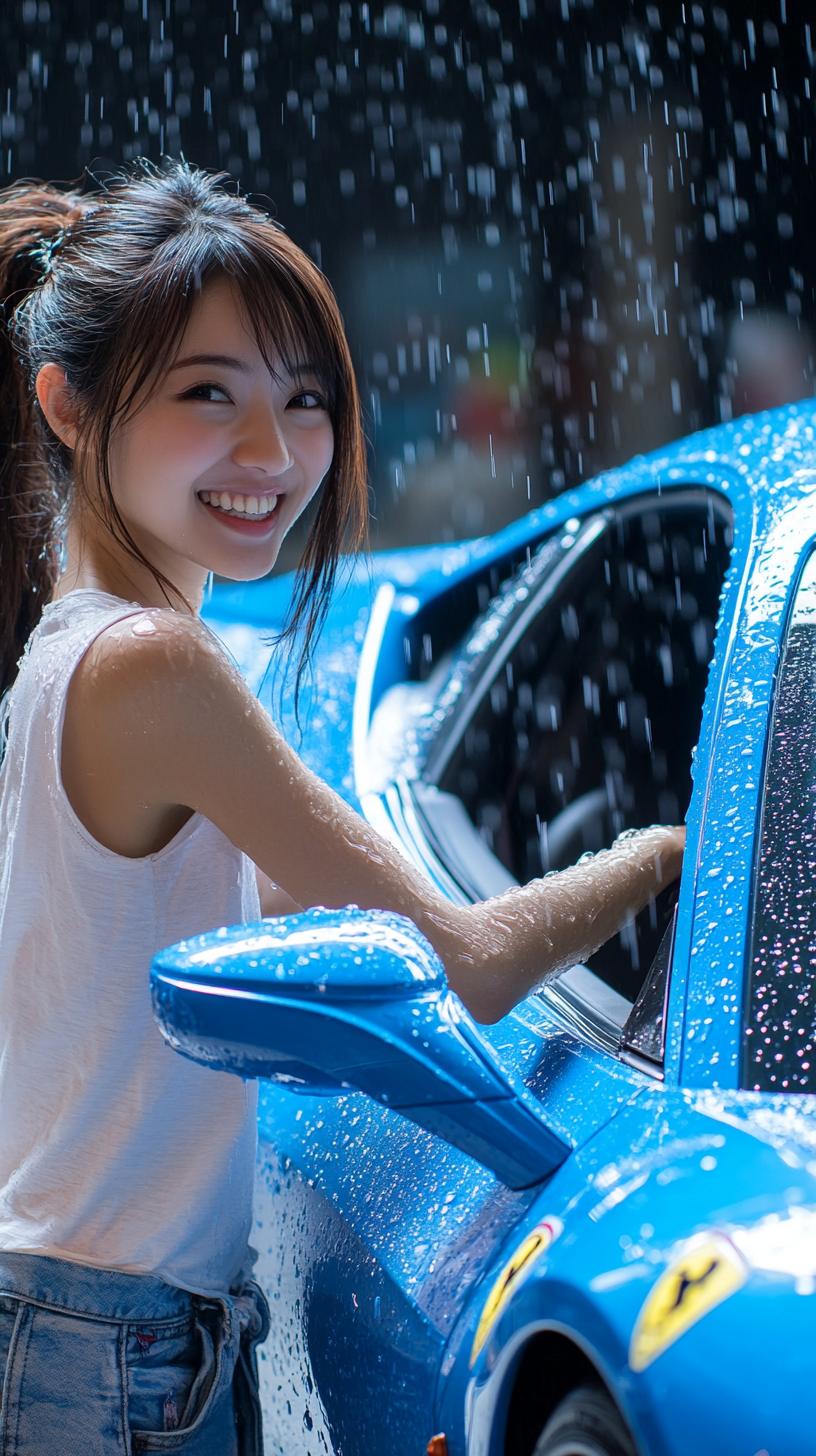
[[561, 233]]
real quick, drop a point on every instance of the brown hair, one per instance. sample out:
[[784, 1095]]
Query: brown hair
[[104, 286]]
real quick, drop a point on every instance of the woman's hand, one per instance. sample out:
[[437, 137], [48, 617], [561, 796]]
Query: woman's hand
[[521, 938], [666, 841]]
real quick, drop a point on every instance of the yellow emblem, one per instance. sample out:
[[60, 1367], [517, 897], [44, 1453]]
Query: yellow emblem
[[707, 1272], [514, 1271]]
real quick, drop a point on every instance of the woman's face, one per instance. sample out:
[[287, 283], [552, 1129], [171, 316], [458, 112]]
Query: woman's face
[[217, 465]]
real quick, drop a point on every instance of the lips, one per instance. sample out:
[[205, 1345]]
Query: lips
[[248, 507]]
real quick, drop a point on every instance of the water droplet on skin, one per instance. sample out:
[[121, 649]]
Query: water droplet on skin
[[143, 627]]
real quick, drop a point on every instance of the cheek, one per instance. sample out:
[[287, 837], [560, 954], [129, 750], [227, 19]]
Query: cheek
[[316, 451], [150, 458], [321, 454]]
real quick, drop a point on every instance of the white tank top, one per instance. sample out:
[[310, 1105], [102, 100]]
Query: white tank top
[[114, 1150]]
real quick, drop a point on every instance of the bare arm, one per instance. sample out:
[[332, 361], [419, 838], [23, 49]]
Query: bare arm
[[158, 726]]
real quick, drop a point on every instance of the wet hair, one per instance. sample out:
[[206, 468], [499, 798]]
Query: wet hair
[[103, 285]]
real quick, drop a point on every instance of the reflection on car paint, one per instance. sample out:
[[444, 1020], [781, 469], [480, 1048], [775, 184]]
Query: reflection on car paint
[[781, 1243]]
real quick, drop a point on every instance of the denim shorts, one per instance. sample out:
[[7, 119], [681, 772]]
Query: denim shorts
[[97, 1362]]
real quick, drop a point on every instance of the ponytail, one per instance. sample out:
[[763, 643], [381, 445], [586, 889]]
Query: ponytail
[[32, 220]]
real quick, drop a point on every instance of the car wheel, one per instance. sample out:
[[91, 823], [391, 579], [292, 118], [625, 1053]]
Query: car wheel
[[586, 1423]]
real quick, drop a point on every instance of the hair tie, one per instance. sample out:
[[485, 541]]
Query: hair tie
[[45, 252]]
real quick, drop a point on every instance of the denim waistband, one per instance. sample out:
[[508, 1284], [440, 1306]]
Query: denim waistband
[[99, 1294]]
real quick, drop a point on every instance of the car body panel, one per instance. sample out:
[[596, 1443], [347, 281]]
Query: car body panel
[[383, 1243], [417, 1242], [739, 737], [673, 1166]]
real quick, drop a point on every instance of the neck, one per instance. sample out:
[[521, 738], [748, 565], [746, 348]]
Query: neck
[[94, 559]]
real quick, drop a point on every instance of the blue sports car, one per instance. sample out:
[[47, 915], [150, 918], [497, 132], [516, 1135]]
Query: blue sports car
[[589, 1230]]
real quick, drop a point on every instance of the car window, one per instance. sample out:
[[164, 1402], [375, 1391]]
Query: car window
[[778, 1043], [583, 721]]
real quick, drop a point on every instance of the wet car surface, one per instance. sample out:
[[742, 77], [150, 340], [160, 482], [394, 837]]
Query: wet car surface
[[639, 650]]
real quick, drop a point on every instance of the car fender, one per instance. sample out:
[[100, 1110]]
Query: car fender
[[674, 1176]]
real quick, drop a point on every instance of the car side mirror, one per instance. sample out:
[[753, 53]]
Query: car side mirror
[[334, 1001]]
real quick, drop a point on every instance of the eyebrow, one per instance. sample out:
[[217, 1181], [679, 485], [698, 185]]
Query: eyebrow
[[222, 361], [228, 361]]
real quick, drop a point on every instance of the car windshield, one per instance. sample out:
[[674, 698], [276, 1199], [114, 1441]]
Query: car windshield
[[778, 1045]]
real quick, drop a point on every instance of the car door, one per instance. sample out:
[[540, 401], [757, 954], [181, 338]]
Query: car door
[[381, 1230], [569, 713]]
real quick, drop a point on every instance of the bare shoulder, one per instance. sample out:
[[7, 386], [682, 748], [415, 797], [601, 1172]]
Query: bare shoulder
[[148, 684], [150, 639], [157, 653], [151, 702]]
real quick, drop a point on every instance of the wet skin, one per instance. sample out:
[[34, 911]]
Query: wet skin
[[159, 724]]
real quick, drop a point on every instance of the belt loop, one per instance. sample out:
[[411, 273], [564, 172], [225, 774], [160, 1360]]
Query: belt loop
[[252, 1319]]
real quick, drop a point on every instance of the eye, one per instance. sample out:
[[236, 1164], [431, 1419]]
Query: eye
[[308, 399], [209, 393]]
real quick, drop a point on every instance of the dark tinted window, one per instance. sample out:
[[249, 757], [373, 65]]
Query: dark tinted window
[[586, 727], [779, 1036]]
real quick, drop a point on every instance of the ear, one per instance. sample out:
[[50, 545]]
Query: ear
[[58, 403]]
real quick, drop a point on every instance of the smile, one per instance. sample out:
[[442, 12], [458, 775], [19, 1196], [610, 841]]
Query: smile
[[257, 506]]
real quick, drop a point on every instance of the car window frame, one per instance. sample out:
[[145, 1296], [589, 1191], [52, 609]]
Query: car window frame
[[637, 1036], [771, 544]]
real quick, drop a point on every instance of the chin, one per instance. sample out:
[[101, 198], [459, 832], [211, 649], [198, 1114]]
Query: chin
[[246, 570]]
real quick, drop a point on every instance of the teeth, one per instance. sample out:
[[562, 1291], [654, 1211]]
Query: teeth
[[250, 505]]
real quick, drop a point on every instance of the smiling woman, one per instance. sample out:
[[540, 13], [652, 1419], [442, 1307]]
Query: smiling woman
[[193, 389], [211, 465]]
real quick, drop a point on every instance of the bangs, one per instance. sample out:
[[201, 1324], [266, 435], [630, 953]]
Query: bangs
[[292, 339], [285, 302]]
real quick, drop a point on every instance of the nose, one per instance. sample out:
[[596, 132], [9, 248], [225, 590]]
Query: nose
[[261, 444]]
